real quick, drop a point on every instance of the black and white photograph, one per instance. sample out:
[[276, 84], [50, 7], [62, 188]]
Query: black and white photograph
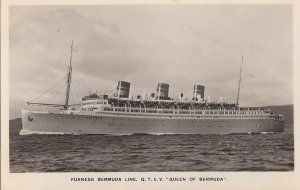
[[110, 88]]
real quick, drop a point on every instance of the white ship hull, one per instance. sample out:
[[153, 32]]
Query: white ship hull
[[119, 124]]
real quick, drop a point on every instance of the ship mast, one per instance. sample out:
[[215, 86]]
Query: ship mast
[[69, 78], [238, 94]]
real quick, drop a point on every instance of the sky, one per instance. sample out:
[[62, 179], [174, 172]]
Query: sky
[[181, 45]]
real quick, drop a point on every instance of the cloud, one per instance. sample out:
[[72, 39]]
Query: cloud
[[181, 45]]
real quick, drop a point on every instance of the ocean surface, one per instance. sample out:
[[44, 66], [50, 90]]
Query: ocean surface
[[143, 152]]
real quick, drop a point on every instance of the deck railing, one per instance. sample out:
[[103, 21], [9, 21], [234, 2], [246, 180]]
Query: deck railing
[[166, 112], [240, 111]]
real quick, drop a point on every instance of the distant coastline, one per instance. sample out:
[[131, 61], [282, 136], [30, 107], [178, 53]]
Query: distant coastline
[[286, 110]]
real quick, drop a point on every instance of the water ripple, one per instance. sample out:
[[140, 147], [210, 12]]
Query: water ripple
[[143, 152]]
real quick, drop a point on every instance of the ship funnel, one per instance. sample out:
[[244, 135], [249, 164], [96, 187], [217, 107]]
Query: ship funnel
[[198, 90], [162, 91], [123, 89]]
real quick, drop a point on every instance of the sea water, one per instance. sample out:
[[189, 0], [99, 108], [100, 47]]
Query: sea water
[[150, 152]]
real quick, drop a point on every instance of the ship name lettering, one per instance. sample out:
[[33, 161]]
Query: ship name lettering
[[82, 179], [177, 179], [211, 179], [109, 179]]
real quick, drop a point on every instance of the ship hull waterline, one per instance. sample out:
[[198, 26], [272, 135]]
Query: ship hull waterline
[[53, 123]]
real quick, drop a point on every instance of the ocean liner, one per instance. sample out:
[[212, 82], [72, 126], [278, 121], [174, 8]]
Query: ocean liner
[[158, 114]]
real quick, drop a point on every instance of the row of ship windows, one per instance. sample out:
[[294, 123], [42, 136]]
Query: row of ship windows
[[183, 112], [99, 118], [186, 116], [187, 112]]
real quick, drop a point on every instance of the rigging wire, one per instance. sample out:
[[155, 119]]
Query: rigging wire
[[240, 79], [73, 92], [48, 90], [58, 92]]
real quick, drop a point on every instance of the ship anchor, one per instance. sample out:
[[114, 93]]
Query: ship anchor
[[30, 118]]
